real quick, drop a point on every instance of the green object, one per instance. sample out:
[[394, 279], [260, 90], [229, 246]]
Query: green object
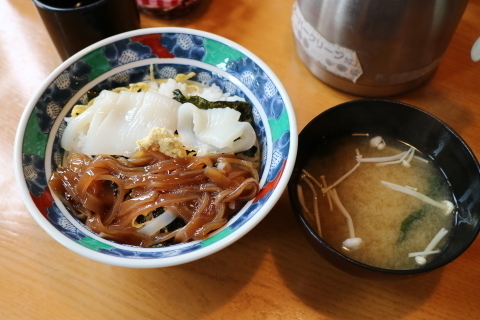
[[219, 54], [34, 141], [93, 244], [408, 222], [435, 186], [97, 61], [222, 234], [279, 126]]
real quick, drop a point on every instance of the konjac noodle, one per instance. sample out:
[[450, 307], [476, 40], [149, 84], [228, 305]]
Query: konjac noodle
[[389, 202], [158, 162], [116, 197]]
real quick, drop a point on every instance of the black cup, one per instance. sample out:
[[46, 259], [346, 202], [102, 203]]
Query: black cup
[[76, 24]]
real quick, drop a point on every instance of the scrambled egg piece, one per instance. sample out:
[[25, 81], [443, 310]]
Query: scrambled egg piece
[[182, 77], [78, 109], [160, 139], [134, 87]]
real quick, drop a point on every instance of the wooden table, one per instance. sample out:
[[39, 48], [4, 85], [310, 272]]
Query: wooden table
[[271, 273]]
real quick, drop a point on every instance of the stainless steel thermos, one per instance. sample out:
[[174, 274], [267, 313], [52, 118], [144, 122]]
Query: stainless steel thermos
[[374, 47]]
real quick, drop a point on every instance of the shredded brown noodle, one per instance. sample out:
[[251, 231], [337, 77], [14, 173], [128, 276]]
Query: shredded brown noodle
[[109, 194]]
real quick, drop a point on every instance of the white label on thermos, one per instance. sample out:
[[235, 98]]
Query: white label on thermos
[[338, 60]]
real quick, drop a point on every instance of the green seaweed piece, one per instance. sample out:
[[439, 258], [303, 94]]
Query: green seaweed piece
[[243, 107], [408, 222], [435, 186], [174, 225]]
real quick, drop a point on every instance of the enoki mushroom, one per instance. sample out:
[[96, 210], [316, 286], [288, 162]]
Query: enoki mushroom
[[353, 242], [420, 259], [445, 205], [378, 142], [404, 157], [306, 177], [326, 189]]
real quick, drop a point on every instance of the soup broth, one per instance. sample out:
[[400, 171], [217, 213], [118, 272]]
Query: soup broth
[[391, 224]]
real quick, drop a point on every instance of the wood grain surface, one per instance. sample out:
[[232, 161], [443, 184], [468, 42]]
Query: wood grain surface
[[271, 273]]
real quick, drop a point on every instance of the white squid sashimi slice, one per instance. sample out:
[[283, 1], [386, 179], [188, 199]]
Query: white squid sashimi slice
[[157, 110], [107, 136], [125, 132], [77, 127], [185, 126], [214, 130], [218, 127]]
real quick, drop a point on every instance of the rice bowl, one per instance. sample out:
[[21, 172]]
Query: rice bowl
[[124, 59]]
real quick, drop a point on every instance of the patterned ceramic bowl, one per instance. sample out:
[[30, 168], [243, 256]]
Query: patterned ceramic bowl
[[124, 59]]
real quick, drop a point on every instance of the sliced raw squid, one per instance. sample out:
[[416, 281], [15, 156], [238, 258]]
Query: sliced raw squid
[[73, 138], [216, 130], [115, 121], [112, 125]]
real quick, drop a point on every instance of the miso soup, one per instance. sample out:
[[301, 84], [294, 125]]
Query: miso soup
[[391, 224]]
